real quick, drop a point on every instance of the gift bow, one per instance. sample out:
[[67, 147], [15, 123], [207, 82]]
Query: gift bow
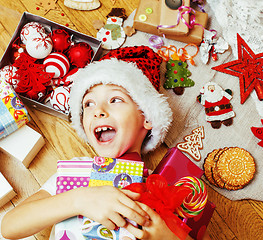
[[164, 199]]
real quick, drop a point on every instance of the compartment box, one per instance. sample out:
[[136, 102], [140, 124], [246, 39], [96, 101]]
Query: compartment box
[[49, 26]]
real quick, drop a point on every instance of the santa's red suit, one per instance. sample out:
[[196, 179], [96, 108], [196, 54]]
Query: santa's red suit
[[216, 102]]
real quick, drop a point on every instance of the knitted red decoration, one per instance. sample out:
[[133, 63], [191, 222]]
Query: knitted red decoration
[[145, 58], [248, 68]]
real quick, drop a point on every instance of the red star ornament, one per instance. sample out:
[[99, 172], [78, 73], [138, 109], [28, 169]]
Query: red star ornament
[[249, 69]]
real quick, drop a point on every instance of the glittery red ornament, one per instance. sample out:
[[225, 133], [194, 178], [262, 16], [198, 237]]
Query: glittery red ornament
[[80, 54], [61, 40], [248, 67]]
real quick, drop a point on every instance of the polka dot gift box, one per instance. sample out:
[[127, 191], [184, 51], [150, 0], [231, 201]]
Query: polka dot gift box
[[97, 171], [115, 172], [73, 173]]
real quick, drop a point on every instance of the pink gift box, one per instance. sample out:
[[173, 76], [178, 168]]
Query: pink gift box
[[176, 165]]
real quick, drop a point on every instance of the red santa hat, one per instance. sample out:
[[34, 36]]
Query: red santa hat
[[137, 69]]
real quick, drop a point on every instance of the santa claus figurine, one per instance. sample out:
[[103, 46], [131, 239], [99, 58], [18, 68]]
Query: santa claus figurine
[[217, 104]]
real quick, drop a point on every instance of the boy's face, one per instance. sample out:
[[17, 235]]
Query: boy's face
[[112, 121]]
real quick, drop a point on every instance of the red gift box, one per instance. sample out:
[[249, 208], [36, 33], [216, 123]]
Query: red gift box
[[176, 165], [199, 223]]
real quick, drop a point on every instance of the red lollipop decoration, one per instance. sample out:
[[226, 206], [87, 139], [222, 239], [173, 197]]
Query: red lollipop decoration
[[80, 54], [61, 40]]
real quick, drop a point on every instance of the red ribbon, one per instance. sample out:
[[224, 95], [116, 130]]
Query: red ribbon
[[164, 199]]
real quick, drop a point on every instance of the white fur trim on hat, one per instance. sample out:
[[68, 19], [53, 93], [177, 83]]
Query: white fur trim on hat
[[127, 75]]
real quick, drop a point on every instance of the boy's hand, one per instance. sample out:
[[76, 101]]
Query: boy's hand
[[109, 206], [156, 230]]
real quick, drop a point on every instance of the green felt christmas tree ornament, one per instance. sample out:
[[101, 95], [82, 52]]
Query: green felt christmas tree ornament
[[177, 76]]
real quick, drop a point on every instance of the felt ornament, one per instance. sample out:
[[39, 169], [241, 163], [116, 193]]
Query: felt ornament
[[192, 143], [258, 132], [112, 34], [211, 46], [177, 76], [217, 104], [248, 67], [32, 77]]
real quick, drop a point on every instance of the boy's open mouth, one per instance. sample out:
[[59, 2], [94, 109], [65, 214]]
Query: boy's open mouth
[[104, 134]]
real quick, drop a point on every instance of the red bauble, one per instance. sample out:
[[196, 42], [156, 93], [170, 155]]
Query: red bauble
[[61, 40], [80, 54]]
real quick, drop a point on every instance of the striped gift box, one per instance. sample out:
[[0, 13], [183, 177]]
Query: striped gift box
[[73, 173]]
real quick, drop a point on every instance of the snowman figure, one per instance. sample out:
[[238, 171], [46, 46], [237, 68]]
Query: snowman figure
[[112, 34]]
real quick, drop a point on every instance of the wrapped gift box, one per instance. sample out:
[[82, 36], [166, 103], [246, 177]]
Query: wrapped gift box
[[48, 25], [6, 191], [199, 223], [23, 144], [174, 166], [73, 173], [13, 112], [97, 171], [114, 172], [162, 15]]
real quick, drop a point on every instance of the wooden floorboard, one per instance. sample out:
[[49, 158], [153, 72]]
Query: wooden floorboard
[[232, 220]]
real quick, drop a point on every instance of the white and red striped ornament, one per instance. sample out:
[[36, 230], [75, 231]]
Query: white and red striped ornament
[[57, 63], [31, 29], [59, 99]]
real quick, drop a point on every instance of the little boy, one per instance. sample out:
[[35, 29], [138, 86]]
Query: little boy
[[116, 107]]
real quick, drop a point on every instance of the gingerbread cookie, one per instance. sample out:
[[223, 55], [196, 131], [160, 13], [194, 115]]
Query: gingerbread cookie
[[193, 142]]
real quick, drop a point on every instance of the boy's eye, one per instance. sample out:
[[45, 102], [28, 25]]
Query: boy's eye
[[89, 104], [116, 100]]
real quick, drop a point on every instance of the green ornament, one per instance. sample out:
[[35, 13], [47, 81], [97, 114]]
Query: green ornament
[[177, 75]]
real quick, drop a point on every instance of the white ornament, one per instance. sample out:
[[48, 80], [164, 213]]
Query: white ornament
[[59, 99], [31, 29], [57, 63], [8, 74], [39, 47]]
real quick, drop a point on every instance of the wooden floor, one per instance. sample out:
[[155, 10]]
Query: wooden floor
[[231, 220]]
